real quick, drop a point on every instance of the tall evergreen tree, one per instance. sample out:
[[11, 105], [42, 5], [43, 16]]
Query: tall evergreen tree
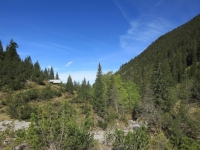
[[98, 95], [83, 90], [46, 74], [37, 74], [12, 62], [57, 77], [37, 69], [160, 81], [51, 73], [1, 51], [28, 67], [11, 52], [69, 85], [1, 63]]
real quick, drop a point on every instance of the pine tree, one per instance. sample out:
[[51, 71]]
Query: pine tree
[[46, 74], [51, 73], [160, 80], [69, 85], [98, 101], [37, 74], [1, 52], [1, 63], [36, 69], [83, 90], [28, 67], [11, 52], [57, 77]]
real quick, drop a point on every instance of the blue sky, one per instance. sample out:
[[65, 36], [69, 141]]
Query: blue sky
[[74, 36]]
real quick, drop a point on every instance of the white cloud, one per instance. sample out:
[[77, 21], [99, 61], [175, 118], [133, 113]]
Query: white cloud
[[69, 63]]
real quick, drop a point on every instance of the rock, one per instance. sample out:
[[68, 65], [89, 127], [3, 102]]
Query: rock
[[133, 125], [22, 147], [17, 124], [99, 135]]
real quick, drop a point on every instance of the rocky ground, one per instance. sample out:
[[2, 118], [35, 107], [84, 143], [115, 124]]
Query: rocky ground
[[99, 134], [16, 124]]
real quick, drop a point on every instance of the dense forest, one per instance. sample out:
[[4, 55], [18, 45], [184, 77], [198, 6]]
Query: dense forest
[[15, 72], [178, 52], [160, 89], [168, 76]]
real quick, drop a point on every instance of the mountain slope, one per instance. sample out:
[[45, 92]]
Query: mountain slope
[[178, 49]]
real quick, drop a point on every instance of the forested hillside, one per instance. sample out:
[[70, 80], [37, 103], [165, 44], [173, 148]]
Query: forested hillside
[[159, 90], [15, 72], [168, 76], [178, 51]]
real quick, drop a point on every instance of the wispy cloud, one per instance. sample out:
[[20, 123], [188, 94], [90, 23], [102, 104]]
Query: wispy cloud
[[48, 47], [158, 3], [142, 32], [122, 10], [62, 46], [69, 63]]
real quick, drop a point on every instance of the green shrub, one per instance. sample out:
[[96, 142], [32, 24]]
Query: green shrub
[[132, 140], [31, 95], [111, 116], [62, 132], [102, 124], [3, 102]]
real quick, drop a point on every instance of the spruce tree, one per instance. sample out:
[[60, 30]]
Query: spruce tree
[[1, 51], [57, 77], [69, 85], [11, 52], [37, 74], [98, 101], [1, 63], [83, 90], [160, 81], [46, 74], [28, 67], [51, 73]]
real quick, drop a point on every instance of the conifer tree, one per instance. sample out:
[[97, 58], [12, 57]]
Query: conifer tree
[[1, 51], [51, 73], [37, 74], [37, 69], [28, 67], [46, 74], [98, 101], [160, 81], [1, 62], [57, 77], [69, 85], [83, 90], [11, 52]]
